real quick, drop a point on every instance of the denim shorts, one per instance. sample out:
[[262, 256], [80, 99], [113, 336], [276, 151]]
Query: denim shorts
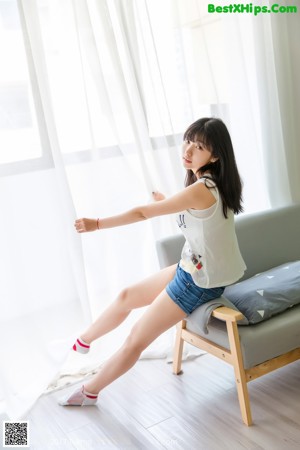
[[187, 295]]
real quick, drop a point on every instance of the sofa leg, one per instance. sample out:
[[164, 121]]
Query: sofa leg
[[239, 372], [177, 359], [243, 397]]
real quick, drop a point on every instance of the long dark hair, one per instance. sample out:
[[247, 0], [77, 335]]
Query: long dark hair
[[224, 173]]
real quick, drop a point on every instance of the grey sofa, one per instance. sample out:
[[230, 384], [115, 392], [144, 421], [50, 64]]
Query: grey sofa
[[266, 239]]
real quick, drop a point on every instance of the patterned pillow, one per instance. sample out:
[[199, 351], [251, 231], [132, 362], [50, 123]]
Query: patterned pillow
[[267, 293]]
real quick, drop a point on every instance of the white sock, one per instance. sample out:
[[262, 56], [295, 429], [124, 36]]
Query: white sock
[[81, 347], [80, 397]]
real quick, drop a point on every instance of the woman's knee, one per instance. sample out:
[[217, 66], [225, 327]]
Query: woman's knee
[[134, 342], [124, 299], [132, 297]]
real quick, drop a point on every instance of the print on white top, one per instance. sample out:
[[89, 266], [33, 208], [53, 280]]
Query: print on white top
[[211, 253]]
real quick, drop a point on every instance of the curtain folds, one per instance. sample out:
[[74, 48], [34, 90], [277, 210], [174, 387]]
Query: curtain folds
[[116, 83], [43, 288], [285, 34]]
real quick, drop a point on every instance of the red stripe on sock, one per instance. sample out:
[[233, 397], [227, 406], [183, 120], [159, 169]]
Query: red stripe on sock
[[82, 345], [90, 396]]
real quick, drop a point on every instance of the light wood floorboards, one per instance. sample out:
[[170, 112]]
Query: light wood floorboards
[[150, 408]]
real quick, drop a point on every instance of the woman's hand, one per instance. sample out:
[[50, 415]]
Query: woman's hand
[[157, 196], [86, 225]]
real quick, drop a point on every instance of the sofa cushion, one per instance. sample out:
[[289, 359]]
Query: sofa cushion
[[202, 314], [268, 293]]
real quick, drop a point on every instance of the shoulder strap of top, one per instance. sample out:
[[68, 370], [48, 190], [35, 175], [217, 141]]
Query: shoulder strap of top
[[208, 181], [210, 184]]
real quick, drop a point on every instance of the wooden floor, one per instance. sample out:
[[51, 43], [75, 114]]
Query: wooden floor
[[150, 408]]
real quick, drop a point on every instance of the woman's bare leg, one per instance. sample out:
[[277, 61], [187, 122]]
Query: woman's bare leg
[[162, 314], [136, 296]]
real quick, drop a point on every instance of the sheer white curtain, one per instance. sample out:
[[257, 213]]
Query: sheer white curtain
[[94, 150], [264, 104], [113, 85], [279, 91], [43, 287]]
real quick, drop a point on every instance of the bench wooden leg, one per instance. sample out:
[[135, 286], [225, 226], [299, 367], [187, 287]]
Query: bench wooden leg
[[239, 371], [178, 348]]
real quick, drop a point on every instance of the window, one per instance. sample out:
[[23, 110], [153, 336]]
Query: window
[[19, 130]]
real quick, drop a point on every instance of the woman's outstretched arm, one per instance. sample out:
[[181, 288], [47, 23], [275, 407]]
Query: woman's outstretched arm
[[196, 196]]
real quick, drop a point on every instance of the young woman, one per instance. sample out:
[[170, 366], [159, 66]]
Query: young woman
[[210, 258]]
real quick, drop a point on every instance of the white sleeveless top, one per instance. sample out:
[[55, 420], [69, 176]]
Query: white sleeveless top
[[211, 253]]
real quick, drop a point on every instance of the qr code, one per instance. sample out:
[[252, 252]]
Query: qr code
[[16, 434]]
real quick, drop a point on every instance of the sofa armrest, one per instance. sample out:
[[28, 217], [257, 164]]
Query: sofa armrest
[[227, 314], [169, 250]]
